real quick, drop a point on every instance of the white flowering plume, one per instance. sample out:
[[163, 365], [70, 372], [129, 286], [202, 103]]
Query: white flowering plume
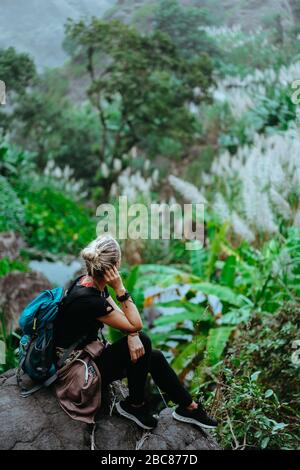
[[240, 92], [228, 38], [187, 190], [256, 189], [134, 184], [63, 178]]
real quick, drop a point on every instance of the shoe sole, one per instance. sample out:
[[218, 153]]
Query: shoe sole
[[131, 417], [183, 419]]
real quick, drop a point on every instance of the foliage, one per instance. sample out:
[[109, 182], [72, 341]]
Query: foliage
[[55, 223], [12, 213], [255, 191], [7, 265], [17, 70], [158, 107], [139, 86], [182, 25], [198, 307], [274, 109], [43, 207], [49, 124], [259, 393], [8, 345], [15, 163]]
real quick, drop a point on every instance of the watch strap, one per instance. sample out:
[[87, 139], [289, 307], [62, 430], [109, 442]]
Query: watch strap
[[124, 297]]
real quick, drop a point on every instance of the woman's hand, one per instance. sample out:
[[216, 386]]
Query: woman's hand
[[113, 279], [135, 347]]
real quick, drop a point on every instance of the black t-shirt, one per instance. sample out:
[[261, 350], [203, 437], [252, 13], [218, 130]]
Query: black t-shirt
[[79, 316]]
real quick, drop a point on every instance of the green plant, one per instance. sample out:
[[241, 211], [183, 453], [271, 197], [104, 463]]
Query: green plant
[[182, 25], [139, 87], [54, 222], [258, 394], [8, 348], [7, 265], [12, 213]]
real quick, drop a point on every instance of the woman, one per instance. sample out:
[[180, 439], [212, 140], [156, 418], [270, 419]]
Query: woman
[[132, 356]]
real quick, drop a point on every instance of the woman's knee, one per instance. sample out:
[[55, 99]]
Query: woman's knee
[[157, 357]]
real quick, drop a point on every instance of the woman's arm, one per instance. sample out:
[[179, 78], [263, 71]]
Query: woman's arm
[[128, 319]]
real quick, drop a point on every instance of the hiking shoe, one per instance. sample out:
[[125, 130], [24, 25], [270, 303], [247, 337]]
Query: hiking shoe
[[140, 415], [197, 416]]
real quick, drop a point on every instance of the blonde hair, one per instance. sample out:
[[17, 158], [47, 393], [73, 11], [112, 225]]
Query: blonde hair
[[101, 254]]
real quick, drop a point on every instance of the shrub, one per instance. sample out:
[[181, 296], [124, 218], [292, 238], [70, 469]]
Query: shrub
[[54, 222], [7, 265], [258, 398], [11, 208]]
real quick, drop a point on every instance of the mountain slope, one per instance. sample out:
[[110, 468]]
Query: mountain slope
[[37, 26]]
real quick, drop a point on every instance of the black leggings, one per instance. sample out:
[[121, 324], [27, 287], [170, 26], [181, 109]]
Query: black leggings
[[115, 363]]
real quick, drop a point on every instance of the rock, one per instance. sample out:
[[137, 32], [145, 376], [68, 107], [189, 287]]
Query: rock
[[170, 434], [17, 290], [38, 423], [10, 245]]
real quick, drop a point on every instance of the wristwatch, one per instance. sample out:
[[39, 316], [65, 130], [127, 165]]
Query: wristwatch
[[124, 297]]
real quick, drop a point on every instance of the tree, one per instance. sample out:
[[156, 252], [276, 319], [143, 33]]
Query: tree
[[18, 72], [140, 86], [182, 24]]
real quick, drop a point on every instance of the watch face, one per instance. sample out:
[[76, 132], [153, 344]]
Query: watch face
[[124, 296]]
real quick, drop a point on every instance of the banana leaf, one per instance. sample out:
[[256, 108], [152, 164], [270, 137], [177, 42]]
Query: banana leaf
[[188, 354], [216, 343]]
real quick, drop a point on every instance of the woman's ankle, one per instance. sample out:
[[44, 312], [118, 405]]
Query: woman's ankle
[[192, 406], [139, 405]]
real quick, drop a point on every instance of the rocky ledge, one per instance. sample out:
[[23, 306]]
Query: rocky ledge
[[38, 423]]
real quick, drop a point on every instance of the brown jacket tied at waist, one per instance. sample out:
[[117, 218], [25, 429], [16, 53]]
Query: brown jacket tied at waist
[[78, 387]]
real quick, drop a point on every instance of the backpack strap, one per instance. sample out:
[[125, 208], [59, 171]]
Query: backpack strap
[[26, 393], [67, 293], [69, 351]]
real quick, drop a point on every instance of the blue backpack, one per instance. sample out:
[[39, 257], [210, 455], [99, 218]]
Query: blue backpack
[[36, 348]]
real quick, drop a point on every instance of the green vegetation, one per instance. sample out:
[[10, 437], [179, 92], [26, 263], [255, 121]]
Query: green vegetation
[[41, 206], [180, 108], [258, 392], [10, 341], [140, 95], [55, 222]]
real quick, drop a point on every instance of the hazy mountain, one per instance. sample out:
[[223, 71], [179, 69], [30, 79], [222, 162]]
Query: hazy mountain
[[37, 26], [247, 13]]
